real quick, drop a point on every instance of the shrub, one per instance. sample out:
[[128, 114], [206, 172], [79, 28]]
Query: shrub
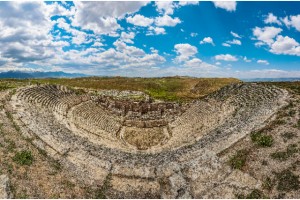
[[23, 158], [268, 183], [288, 135], [11, 145], [254, 194], [239, 159], [262, 140], [284, 155], [287, 181], [280, 155]]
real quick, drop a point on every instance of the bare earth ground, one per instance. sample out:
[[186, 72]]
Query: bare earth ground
[[275, 162]]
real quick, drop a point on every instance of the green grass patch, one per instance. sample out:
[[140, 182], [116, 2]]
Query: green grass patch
[[238, 160], [5, 86], [23, 158], [262, 140]]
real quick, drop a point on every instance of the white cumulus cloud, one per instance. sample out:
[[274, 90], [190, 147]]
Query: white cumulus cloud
[[140, 20], [156, 31], [272, 19], [285, 45], [185, 51], [165, 7], [226, 45], [207, 40], [101, 17], [266, 34], [264, 62], [227, 5], [185, 3], [166, 20], [127, 37], [226, 57], [234, 41], [292, 21]]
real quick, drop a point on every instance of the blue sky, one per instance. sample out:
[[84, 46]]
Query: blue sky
[[203, 39]]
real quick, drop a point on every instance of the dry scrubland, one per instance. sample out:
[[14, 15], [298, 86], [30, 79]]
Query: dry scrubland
[[173, 137], [169, 88]]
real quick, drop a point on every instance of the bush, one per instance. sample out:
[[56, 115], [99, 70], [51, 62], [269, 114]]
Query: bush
[[284, 155], [280, 155], [239, 159], [262, 140], [287, 181], [254, 194], [23, 158], [268, 183], [288, 135]]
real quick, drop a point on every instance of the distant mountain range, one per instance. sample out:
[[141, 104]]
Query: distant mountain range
[[271, 79], [37, 74], [61, 74]]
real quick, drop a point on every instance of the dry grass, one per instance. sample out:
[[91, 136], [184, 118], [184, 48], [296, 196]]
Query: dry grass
[[167, 88]]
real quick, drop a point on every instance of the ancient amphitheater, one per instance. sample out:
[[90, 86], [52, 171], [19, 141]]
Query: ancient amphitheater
[[147, 149]]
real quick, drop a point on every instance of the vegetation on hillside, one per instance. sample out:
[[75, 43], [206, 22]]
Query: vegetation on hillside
[[292, 86], [166, 88]]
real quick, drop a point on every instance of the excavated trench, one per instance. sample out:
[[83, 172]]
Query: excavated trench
[[159, 150]]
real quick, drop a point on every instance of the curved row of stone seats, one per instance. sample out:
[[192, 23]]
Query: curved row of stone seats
[[246, 94], [46, 127], [248, 112], [93, 118], [54, 97], [146, 123], [233, 107], [197, 121]]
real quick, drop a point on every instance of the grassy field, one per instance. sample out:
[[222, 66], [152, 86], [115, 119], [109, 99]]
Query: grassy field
[[168, 88]]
